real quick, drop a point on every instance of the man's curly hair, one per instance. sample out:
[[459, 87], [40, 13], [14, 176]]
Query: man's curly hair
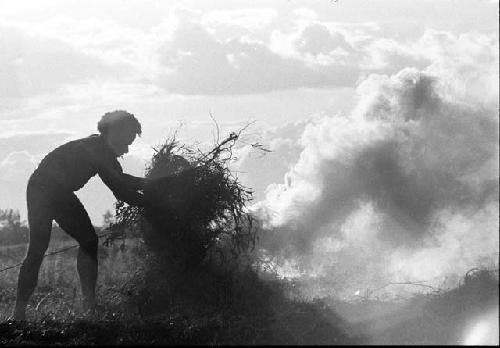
[[118, 118]]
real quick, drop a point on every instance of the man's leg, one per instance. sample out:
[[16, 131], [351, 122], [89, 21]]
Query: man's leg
[[40, 226], [74, 220]]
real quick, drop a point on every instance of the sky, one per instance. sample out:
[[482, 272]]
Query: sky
[[382, 116], [279, 63]]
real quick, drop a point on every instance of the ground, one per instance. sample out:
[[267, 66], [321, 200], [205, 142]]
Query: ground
[[214, 309]]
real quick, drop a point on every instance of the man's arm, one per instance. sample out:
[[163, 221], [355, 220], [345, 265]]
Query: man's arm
[[134, 182], [122, 185]]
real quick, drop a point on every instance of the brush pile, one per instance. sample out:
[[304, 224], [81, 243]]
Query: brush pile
[[199, 206]]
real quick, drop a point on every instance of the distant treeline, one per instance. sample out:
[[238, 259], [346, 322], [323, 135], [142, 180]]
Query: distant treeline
[[15, 231]]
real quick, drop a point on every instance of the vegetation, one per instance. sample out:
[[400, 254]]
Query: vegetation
[[242, 309], [204, 308], [199, 207], [12, 231]]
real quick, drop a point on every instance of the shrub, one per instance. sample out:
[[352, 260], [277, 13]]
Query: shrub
[[200, 206]]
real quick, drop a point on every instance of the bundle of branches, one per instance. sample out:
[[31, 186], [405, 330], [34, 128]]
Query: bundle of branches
[[200, 208]]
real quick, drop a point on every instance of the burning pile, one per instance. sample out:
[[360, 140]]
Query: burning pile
[[199, 206]]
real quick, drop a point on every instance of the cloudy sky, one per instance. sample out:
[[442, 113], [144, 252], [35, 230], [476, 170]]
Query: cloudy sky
[[294, 67]]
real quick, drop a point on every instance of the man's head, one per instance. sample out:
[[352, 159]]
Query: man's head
[[119, 128]]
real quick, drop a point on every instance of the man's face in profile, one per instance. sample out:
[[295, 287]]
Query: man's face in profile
[[119, 139]]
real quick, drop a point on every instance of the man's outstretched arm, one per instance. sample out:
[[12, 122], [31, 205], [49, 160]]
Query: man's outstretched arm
[[133, 182], [123, 186]]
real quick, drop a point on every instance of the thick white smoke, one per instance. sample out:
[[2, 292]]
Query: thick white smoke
[[404, 188]]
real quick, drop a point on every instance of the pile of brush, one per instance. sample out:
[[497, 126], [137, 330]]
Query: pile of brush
[[199, 206]]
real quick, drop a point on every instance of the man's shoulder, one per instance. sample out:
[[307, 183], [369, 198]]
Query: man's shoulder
[[90, 140], [91, 143], [91, 147]]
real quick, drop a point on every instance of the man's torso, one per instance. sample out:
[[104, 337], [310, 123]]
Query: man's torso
[[71, 165]]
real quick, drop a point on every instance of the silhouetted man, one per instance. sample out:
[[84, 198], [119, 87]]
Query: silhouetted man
[[50, 196]]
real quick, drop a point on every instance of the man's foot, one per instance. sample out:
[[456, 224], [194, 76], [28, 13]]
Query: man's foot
[[88, 303], [91, 309], [19, 312], [95, 312]]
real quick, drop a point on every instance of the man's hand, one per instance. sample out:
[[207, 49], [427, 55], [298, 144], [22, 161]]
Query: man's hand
[[132, 182], [146, 182]]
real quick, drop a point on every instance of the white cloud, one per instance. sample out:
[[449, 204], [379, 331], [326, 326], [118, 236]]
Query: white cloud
[[128, 50], [305, 14], [467, 62], [310, 42], [35, 143], [199, 65], [17, 157], [192, 52], [32, 64], [248, 18]]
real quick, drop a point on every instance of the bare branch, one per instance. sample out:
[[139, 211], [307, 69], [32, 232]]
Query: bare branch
[[216, 126]]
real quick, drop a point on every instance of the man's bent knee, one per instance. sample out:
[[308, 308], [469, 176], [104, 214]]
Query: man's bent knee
[[89, 245]]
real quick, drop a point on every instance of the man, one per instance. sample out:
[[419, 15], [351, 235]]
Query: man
[[50, 196]]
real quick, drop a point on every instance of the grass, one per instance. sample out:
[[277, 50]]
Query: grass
[[142, 302], [58, 284]]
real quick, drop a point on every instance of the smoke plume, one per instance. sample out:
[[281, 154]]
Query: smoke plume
[[404, 188]]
